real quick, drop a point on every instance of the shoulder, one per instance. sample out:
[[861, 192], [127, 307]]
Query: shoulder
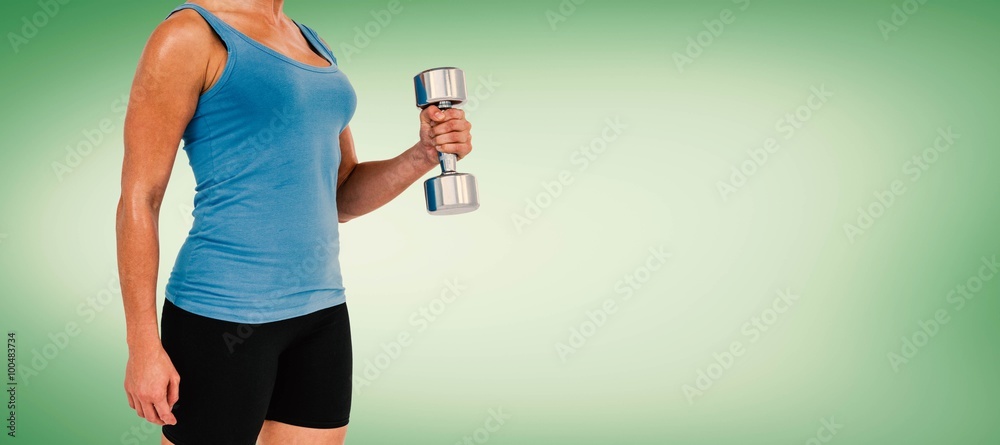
[[185, 34], [183, 51]]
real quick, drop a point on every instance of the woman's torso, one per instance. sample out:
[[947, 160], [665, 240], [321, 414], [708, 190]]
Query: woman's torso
[[264, 147]]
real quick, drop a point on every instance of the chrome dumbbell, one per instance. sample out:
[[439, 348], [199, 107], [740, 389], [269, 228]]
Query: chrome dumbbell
[[451, 192]]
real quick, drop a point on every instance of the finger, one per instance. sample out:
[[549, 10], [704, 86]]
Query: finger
[[431, 115], [149, 412], [454, 113], [131, 404], [163, 412], [138, 408], [459, 149], [452, 138], [173, 391], [450, 126]]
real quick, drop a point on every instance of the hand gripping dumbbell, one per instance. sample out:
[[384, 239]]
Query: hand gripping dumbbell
[[450, 193]]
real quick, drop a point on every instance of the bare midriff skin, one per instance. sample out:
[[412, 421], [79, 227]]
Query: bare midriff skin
[[182, 59]]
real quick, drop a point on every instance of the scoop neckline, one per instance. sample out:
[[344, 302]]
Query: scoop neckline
[[316, 45]]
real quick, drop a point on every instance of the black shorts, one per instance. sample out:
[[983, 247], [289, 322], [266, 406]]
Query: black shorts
[[234, 376]]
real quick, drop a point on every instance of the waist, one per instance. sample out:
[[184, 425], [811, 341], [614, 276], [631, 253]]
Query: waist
[[281, 241], [255, 279]]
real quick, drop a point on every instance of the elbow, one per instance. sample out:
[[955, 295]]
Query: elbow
[[343, 218], [120, 216], [343, 215], [136, 206]]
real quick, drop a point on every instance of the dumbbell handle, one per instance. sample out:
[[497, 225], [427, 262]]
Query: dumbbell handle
[[449, 161]]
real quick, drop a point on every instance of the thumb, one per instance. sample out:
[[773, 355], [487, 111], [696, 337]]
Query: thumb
[[431, 115], [163, 413], [173, 391]]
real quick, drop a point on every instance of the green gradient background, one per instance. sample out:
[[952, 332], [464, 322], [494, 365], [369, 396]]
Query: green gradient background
[[654, 186]]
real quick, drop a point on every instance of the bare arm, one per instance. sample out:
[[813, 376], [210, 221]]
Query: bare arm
[[364, 187], [171, 75]]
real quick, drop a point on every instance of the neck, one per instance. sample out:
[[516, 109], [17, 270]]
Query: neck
[[271, 10]]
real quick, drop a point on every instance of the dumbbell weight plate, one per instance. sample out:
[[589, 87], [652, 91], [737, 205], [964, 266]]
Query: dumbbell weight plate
[[451, 194]]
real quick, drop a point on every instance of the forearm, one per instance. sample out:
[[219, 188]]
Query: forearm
[[372, 184], [138, 264]]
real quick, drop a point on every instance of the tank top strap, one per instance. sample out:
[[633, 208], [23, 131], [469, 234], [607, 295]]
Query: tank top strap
[[316, 41], [224, 31]]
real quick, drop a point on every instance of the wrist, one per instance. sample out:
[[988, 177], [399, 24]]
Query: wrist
[[143, 339], [420, 159]]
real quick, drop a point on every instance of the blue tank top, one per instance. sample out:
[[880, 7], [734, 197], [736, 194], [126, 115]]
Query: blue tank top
[[264, 147]]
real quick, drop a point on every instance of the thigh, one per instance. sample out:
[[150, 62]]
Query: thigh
[[277, 433], [225, 386], [312, 388]]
